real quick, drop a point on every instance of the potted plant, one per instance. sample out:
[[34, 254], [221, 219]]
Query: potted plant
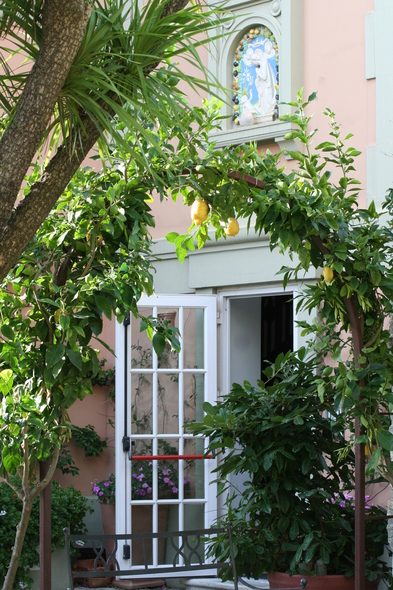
[[105, 491], [295, 510]]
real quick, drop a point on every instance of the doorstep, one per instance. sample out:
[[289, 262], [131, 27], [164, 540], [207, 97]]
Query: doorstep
[[131, 584], [216, 584]]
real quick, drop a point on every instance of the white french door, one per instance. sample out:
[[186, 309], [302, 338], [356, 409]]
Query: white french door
[[156, 396]]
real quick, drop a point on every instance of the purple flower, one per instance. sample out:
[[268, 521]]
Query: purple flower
[[332, 500], [96, 489], [148, 490], [142, 493], [145, 485], [367, 507], [140, 477], [186, 481], [134, 475], [101, 493], [342, 504], [175, 490], [166, 480], [106, 483], [348, 497], [367, 498], [136, 492], [166, 472]]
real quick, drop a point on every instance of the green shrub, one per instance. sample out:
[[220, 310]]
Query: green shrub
[[69, 509], [296, 506]]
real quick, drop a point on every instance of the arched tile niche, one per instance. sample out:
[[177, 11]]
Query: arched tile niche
[[259, 61]]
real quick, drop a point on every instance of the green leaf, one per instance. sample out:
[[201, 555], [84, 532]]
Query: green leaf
[[171, 237], [294, 530], [372, 465], [385, 439], [127, 294], [64, 321], [76, 358], [7, 332], [11, 461], [159, 343], [54, 354], [103, 305]]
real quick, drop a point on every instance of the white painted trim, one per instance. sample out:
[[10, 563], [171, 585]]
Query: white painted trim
[[121, 458]]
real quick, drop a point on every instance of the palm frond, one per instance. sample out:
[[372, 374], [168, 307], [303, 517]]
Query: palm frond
[[117, 70]]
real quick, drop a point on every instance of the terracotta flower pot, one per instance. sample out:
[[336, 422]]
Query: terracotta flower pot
[[281, 580], [108, 513]]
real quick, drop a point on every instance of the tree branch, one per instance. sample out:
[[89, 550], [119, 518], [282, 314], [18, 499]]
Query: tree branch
[[63, 28], [36, 206]]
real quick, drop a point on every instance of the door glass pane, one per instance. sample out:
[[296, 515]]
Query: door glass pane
[[141, 346], [168, 515], [194, 395], [193, 338], [168, 317], [168, 403], [141, 522], [142, 472], [194, 515], [141, 403], [168, 471], [194, 471]]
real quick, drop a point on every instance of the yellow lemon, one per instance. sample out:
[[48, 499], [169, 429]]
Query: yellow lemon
[[328, 274], [232, 228], [199, 211], [368, 451], [58, 313]]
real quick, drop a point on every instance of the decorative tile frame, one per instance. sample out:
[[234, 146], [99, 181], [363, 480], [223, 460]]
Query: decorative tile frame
[[284, 18]]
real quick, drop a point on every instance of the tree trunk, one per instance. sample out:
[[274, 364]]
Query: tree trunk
[[18, 546]]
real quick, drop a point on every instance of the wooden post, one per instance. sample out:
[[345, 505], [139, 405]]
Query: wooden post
[[360, 488], [45, 531]]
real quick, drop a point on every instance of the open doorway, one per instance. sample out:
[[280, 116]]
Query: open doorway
[[259, 329], [256, 328]]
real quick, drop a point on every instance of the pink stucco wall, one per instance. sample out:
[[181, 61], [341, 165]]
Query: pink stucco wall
[[98, 410]]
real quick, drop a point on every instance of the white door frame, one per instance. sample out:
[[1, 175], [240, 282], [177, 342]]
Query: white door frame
[[224, 297], [123, 370]]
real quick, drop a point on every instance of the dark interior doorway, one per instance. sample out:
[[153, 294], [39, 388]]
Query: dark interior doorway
[[276, 327]]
